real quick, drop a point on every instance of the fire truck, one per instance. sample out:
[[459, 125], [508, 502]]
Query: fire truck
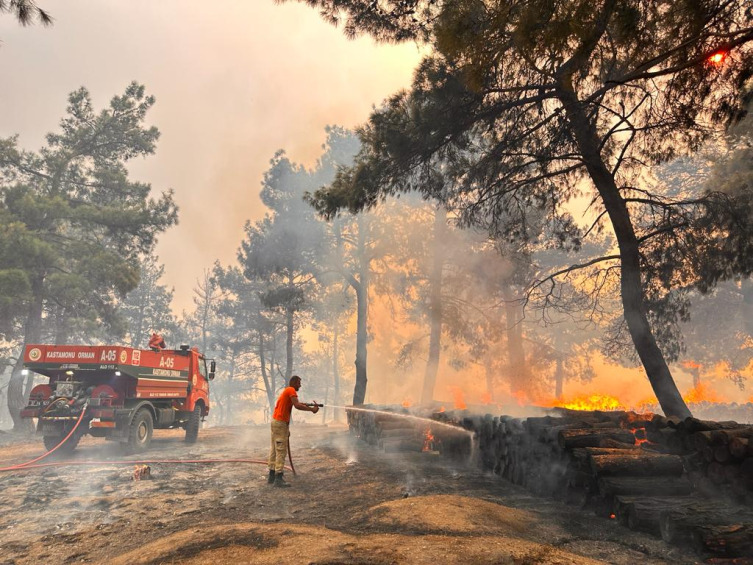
[[125, 393]]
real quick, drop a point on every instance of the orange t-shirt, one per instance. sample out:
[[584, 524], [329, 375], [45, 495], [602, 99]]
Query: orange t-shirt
[[284, 405]]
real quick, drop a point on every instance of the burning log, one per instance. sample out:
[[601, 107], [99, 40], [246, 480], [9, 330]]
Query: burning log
[[569, 439]]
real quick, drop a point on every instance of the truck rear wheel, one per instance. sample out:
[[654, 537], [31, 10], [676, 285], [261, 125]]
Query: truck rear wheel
[[50, 442], [140, 432], [192, 427]]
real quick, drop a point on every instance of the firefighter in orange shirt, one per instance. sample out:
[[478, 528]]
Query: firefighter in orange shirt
[[280, 431]]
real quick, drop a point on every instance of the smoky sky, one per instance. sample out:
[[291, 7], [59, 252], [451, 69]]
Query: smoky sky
[[234, 82]]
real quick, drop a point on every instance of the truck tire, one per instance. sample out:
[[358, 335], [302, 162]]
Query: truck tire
[[140, 432], [50, 442], [192, 427]]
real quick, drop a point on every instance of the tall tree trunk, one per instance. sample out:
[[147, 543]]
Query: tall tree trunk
[[288, 343], [230, 379], [32, 334], [515, 351], [435, 307], [326, 388], [631, 284], [362, 298], [336, 370], [489, 380], [359, 392], [559, 378], [268, 385]]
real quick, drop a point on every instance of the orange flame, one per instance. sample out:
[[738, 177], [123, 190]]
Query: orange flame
[[407, 402], [702, 393], [486, 398], [441, 408], [718, 57], [589, 402], [457, 396], [428, 440], [691, 365]]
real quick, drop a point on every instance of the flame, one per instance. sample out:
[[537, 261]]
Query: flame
[[612, 516], [428, 440], [441, 408], [589, 402], [457, 396], [486, 398], [718, 57], [691, 365], [407, 402], [702, 393]]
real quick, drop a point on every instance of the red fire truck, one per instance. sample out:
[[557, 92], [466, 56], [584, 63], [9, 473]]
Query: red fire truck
[[126, 393]]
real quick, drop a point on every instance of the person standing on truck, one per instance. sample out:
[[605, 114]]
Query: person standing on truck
[[280, 431]]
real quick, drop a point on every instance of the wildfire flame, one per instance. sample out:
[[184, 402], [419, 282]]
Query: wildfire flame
[[702, 393], [486, 398], [428, 440], [457, 396], [691, 365], [407, 402], [441, 408], [589, 402]]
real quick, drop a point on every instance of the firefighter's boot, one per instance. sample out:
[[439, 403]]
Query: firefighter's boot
[[271, 477], [280, 481]]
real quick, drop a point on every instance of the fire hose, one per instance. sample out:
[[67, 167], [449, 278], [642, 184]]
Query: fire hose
[[34, 465], [290, 453]]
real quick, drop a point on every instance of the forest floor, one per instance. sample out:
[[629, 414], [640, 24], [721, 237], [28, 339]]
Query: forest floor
[[350, 503]]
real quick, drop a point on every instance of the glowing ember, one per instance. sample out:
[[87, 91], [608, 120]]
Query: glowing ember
[[612, 516], [486, 398], [702, 393], [640, 436], [408, 402], [441, 408], [457, 397], [718, 58], [590, 402], [428, 440]]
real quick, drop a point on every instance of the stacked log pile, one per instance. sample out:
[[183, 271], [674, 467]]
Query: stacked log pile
[[690, 482]]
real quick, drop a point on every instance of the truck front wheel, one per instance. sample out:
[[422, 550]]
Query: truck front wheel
[[140, 432], [192, 427]]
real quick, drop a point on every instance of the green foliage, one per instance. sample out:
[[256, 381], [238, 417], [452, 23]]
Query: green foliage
[[72, 221]]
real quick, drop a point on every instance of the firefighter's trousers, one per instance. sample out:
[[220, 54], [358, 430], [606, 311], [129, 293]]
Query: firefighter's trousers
[[279, 448]]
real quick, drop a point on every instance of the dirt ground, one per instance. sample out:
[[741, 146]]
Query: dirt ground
[[350, 503]]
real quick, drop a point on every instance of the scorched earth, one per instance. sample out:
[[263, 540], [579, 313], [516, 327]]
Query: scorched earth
[[350, 503]]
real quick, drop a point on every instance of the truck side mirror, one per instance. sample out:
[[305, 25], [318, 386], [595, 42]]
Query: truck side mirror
[[212, 369]]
